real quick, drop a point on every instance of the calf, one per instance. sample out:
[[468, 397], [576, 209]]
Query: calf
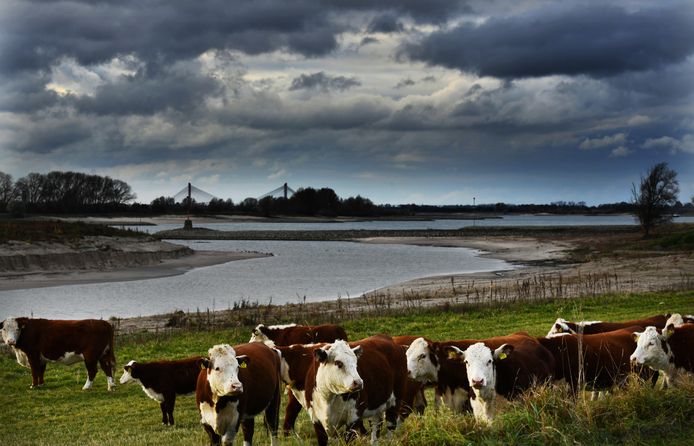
[[163, 380], [231, 390], [298, 334], [285, 335], [602, 359], [508, 370], [348, 383], [36, 342], [592, 327], [429, 362], [668, 352]]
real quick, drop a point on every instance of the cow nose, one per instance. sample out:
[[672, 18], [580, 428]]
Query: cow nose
[[236, 389], [477, 383], [11, 342], [357, 386]]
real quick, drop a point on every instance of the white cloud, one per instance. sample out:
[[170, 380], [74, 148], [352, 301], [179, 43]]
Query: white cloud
[[620, 152], [605, 141], [684, 144]]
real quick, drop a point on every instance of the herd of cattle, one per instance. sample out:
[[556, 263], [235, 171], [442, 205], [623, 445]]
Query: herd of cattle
[[380, 378]]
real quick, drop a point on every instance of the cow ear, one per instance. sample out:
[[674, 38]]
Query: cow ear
[[127, 368], [320, 355], [558, 328], [263, 329], [243, 361], [455, 353], [668, 331], [358, 351], [502, 352], [204, 363], [635, 336]]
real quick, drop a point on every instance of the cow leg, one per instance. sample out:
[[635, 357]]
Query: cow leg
[[167, 408], [391, 420], [37, 370], [91, 373], [214, 438], [272, 414], [162, 406], [248, 426], [376, 423], [321, 434], [290, 413], [108, 364]]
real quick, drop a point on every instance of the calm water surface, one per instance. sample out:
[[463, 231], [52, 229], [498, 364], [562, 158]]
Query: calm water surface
[[506, 221], [317, 270]]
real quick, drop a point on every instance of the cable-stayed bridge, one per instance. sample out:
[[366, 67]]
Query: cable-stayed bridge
[[197, 194], [284, 191], [200, 196]]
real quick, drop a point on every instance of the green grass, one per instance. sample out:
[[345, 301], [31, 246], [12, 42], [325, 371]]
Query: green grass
[[61, 413]]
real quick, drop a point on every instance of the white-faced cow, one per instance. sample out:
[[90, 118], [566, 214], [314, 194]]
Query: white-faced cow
[[669, 352], [38, 341], [601, 359], [562, 326], [677, 320], [163, 380], [292, 334], [236, 384], [507, 370], [429, 362], [347, 383], [298, 334]]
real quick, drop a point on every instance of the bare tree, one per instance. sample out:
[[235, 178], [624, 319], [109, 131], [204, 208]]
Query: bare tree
[[655, 194], [6, 189]]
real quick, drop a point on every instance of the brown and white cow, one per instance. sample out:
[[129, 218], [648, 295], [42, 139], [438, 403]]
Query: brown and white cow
[[413, 399], [297, 334], [38, 341], [677, 320], [347, 383], [163, 380], [507, 370], [291, 334], [429, 363], [602, 359], [669, 352], [236, 384], [562, 326]]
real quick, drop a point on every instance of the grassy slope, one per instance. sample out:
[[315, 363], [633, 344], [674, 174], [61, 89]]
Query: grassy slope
[[60, 413]]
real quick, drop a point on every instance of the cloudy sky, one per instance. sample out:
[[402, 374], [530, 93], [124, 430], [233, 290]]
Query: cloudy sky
[[402, 101]]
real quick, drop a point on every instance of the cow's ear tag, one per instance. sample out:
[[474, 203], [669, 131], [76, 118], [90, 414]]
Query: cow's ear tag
[[452, 355], [243, 365], [503, 355], [202, 366]]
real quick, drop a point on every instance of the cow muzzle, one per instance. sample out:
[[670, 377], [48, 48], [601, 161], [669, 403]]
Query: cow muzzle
[[357, 386], [11, 342], [235, 389], [477, 383]]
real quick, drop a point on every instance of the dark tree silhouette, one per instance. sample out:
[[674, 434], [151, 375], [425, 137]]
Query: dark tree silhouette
[[656, 193]]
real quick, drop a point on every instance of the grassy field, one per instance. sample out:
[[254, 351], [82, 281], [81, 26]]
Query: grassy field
[[61, 413]]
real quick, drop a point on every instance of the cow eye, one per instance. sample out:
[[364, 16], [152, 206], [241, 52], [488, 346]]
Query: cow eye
[[489, 362], [217, 369], [422, 356], [339, 364]]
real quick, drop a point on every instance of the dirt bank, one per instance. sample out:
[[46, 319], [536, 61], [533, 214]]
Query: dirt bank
[[100, 259]]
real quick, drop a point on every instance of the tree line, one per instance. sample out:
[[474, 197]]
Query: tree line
[[59, 192]]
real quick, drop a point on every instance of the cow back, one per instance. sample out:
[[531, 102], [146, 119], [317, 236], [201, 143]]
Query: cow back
[[604, 327], [530, 363], [53, 338], [682, 344], [178, 376]]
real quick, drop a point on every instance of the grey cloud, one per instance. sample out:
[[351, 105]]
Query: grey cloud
[[25, 94], [144, 95], [595, 40], [385, 23], [368, 40], [323, 82], [405, 83]]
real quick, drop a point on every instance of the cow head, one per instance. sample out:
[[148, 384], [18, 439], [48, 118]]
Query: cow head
[[337, 368], [11, 329], [480, 364], [652, 348], [560, 327], [223, 370], [260, 334], [422, 363], [675, 320], [128, 372]]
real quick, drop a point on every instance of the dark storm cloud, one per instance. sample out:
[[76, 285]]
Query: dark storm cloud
[[25, 94], [323, 82], [37, 34], [144, 95], [385, 23], [597, 41]]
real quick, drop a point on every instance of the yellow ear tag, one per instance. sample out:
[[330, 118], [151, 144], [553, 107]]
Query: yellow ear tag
[[202, 366], [243, 365], [502, 355], [452, 355]]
